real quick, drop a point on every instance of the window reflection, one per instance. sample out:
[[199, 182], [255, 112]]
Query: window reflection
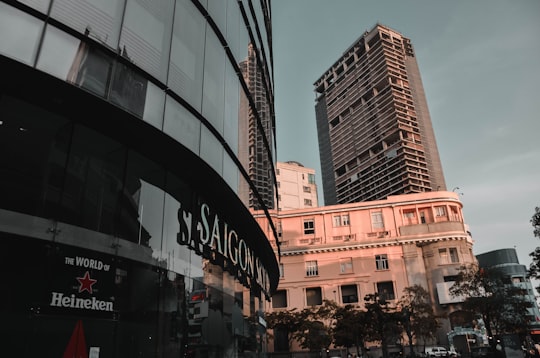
[[146, 34], [93, 185], [19, 34], [128, 88], [98, 19], [154, 106], [30, 167], [144, 179], [74, 61], [39, 5], [214, 82], [232, 106], [182, 125], [211, 150], [186, 71]]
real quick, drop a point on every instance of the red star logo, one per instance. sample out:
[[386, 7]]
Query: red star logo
[[86, 283]]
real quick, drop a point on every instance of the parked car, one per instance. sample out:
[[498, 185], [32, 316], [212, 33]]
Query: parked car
[[436, 352]]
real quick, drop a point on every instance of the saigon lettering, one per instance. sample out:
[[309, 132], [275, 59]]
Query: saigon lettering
[[210, 234]]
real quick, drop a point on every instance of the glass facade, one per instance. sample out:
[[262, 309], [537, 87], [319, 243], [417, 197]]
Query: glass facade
[[126, 128]]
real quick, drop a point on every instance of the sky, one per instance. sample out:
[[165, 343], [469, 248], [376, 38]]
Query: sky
[[480, 66]]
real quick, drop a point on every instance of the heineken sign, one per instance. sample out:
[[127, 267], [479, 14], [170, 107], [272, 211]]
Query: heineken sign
[[85, 286], [214, 239]]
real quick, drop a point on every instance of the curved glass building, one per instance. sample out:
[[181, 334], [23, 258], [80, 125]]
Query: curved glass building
[[135, 137]]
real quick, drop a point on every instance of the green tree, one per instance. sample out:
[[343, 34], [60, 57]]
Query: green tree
[[383, 321], [315, 332], [288, 322], [534, 267], [417, 317], [350, 327], [488, 292]]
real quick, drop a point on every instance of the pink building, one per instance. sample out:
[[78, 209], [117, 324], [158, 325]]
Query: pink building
[[344, 252]]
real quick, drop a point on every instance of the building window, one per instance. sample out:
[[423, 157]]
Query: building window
[[409, 214], [307, 202], [448, 255], [279, 299], [385, 289], [312, 268], [440, 211], [349, 294], [381, 262], [307, 189], [345, 265], [309, 227], [377, 220], [281, 270], [341, 220], [313, 296], [311, 178]]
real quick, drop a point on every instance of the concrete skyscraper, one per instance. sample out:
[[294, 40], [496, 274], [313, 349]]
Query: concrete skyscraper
[[375, 133]]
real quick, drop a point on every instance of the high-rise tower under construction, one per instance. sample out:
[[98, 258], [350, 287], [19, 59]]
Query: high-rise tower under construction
[[375, 133]]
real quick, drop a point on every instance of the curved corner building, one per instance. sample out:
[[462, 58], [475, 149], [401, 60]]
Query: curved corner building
[[133, 137]]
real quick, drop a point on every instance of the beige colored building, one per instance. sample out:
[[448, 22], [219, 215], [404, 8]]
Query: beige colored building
[[296, 186], [346, 251]]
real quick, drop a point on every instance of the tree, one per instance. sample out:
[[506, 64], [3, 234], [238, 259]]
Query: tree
[[534, 268], [417, 317], [350, 327], [314, 332], [287, 322], [383, 321], [488, 292]]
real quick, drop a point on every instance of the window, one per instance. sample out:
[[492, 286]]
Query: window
[[311, 178], [385, 289], [281, 270], [279, 299], [313, 296], [381, 262], [345, 265], [307, 202], [307, 189], [341, 220], [453, 255], [409, 214], [349, 294], [440, 211], [377, 220], [448, 255], [309, 227], [311, 268]]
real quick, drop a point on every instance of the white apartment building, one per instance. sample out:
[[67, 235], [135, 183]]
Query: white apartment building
[[296, 186]]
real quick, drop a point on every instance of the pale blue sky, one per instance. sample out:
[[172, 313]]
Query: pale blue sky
[[480, 65]]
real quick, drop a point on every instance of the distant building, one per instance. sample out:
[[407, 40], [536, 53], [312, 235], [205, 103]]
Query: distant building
[[375, 133], [297, 187], [343, 252], [257, 132], [506, 260]]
